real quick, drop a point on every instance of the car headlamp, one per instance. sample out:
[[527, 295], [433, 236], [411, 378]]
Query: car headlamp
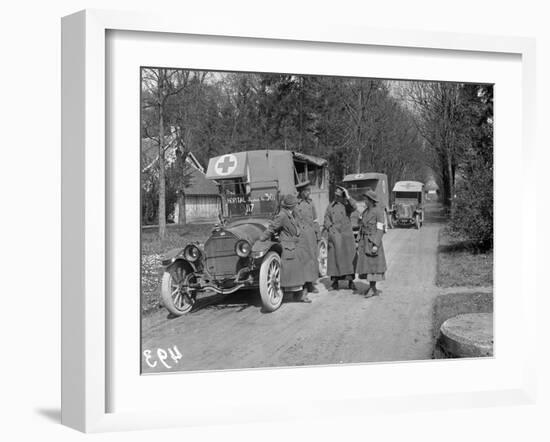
[[243, 248], [191, 253]]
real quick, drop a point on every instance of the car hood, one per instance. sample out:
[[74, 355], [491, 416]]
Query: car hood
[[250, 230]]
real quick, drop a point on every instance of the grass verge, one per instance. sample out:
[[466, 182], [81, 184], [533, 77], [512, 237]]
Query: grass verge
[[459, 264]]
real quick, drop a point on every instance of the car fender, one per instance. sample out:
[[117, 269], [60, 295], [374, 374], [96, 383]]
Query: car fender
[[260, 248], [174, 255]]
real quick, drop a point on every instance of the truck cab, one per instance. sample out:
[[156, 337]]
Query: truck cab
[[359, 183]]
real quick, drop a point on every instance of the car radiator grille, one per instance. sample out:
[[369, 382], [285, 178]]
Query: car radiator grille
[[405, 211], [221, 259]]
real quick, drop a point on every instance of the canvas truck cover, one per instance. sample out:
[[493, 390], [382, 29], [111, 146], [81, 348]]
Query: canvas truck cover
[[408, 186], [259, 167], [364, 176], [310, 159], [231, 165]]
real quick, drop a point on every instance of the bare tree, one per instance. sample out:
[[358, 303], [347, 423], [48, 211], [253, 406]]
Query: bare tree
[[159, 85], [436, 107], [359, 108]]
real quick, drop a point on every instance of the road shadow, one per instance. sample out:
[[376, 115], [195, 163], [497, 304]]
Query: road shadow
[[362, 287], [436, 213], [238, 301], [403, 226]]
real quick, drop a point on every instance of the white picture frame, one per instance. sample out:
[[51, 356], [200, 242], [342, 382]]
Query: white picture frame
[[86, 316]]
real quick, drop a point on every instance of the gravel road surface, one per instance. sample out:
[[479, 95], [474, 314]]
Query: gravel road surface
[[338, 327]]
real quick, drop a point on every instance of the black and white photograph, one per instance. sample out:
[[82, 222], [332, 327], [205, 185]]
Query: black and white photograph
[[303, 220], [252, 221]]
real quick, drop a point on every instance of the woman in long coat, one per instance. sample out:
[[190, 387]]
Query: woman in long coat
[[286, 226], [371, 260], [341, 242], [306, 216]]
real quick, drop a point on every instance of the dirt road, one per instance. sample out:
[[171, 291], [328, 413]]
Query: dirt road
[[338, 327]]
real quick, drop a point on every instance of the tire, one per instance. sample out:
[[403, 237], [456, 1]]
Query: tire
[[417, 221], [174, 298], [270, 282], [322, 256]]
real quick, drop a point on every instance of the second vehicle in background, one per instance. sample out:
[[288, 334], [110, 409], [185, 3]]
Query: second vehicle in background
[[359, 183], [408, 204]]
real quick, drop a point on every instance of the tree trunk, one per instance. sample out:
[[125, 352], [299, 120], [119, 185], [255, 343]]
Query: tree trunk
[[301, 133], [451, 181], [162, 179], [181, 208]]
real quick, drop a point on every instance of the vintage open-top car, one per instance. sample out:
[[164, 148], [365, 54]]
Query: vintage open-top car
[[250, 184], [408, 203], [359, 183]]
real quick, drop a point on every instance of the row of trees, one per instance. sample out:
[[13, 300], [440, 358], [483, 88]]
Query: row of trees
[[456, 120], [358, 124], [408, 130]]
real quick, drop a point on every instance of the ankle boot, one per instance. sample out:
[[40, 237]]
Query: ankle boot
[[302, 297], [311, 288]]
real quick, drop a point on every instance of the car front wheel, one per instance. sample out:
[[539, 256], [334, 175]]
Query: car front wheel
[[270, 282], [175, 294]]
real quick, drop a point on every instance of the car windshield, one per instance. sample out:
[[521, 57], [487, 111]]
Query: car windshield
[[244, 199], [407, 196]]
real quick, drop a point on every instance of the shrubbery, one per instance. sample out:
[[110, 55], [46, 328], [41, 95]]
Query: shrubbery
[[472, 205], [472, 212]]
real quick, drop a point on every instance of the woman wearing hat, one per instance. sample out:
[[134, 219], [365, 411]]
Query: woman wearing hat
[[341, 242], [306, 216], [286, 226], [370, 260]]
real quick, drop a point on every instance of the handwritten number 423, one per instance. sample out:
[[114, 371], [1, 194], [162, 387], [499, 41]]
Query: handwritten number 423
[[162, 355]]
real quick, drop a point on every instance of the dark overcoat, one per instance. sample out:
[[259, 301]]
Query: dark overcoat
[[341, 242], [371, 230], [305, 215], [285, 225]]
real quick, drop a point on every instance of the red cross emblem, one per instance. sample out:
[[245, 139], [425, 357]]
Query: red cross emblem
[[226, 164]]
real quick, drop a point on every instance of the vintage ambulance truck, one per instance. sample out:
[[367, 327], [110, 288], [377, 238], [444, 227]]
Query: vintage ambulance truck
[[408, 204], [357, 184], [250, 184]]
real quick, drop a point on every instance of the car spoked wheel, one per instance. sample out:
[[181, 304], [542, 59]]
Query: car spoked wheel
[[323, 257], [176, 296], [270, 282], [273, 284]]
